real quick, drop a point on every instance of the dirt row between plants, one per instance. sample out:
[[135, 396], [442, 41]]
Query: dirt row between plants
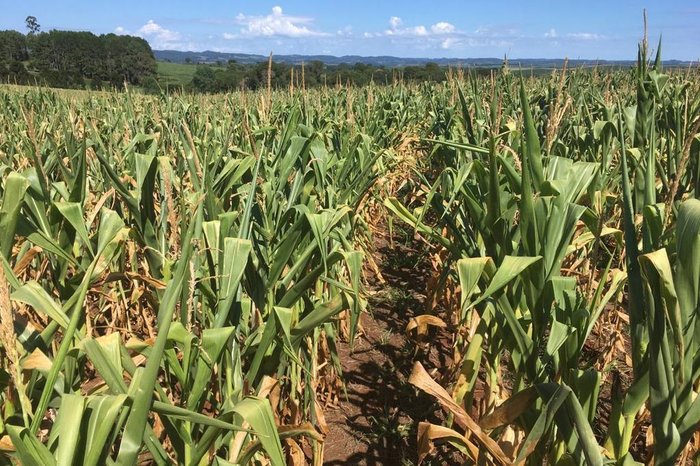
[[376, 421]]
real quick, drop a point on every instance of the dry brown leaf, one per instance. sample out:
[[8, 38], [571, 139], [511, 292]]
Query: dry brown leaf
[[6, 444], [36, 361], [624, 317], [266, 386], [139, 360], [238, 442], [422, 380], [27, 258], [154, 282], [511, 440], [158, 427], [320, 418], [509, 410], [307, 429], [428, 433], [135, 344], [421, 323], [98, 205], [93, 385], [295, 455]]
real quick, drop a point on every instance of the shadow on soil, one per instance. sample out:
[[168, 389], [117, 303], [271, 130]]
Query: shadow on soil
[[376, 424]]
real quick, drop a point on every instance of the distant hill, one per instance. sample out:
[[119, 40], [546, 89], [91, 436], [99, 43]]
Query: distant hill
[[211, 57]]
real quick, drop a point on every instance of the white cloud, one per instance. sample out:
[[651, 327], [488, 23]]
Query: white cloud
[[420, 31], [346, 31], [158, 36], [487, 42], [552, 33], [153, 29], [444, 35], [442, 28], [585, 36], [448, 43], [487, 31], [161, 38], [276, 24], [395, 29], [284, 32]]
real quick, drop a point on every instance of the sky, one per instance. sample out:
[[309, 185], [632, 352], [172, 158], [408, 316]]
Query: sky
[[591, 29]]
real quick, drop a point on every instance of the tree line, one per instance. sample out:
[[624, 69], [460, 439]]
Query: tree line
[[74, 59], [235, 76], [77, 59]]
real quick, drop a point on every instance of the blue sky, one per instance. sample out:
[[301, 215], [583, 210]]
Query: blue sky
[[463, 29]]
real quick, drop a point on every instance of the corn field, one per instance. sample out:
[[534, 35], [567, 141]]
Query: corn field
[[178, 271]]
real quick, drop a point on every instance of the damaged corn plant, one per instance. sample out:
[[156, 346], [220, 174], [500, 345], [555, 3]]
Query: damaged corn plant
[[563, 211], [176, 272]]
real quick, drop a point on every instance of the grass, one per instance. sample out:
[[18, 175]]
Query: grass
[[177, 74]]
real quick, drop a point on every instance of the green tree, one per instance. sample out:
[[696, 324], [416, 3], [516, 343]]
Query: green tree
[[13, 47], [68, 58], [204, 79], [32, 25]]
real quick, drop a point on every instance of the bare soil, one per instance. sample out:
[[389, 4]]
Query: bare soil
[[376, 421]]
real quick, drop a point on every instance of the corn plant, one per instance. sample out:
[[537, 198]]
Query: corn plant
[[511, 209], [174, 284]]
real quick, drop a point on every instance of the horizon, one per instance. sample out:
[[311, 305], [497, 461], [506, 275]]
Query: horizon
[[437, 58], [542, 31]]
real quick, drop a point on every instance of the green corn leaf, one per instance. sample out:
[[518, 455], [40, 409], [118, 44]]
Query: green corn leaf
[[213, 342], [236, 252], [353, 261], [143, 392], [70, 415], [73, 213], [687, 276], [662, 302], [102, 413], [509, 270], [470, 271], [110, 227], [15, 186], [532, 141], [543, 424], [460, 145], [30, 450], [258, 413], [32, 294], [321, 313]]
